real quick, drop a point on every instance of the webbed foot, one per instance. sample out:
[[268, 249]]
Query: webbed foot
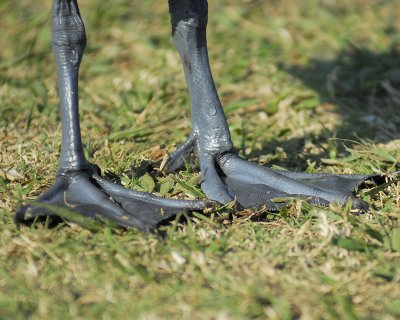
[[87, 193], [226, 176]]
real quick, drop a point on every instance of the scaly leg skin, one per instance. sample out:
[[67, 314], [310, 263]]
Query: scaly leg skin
[[226, 176], [78, 187]]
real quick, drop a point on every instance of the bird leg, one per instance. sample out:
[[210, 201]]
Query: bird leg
[[78, 186], [226, 176]]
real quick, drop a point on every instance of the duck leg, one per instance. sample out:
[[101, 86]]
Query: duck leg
[[78, 186], [226, 176]]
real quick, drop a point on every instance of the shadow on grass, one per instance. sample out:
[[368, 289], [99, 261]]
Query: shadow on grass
[[363, 87]]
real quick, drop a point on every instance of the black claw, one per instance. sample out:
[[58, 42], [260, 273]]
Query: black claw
[[359, 205], [27, 214]]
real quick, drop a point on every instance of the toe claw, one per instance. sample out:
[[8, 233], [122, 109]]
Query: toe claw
[[358, 204]]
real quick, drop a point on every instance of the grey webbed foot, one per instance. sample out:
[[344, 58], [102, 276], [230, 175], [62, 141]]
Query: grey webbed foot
[[254, 186], [87, 193]]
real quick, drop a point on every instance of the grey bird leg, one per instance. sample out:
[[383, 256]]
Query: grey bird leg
[[226, 176], [78, 187]]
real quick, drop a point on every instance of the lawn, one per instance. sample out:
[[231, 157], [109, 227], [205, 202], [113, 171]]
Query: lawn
[[307, 85]]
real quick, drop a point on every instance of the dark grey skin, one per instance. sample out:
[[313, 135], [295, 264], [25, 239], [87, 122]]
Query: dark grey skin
[[78, 186], [225, 176]]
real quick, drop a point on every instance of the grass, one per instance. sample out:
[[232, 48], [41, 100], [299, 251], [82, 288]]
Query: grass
[[311, 85]]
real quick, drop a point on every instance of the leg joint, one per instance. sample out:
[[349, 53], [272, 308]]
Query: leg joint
[[68, 32], [67, 26], [188, 14]]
